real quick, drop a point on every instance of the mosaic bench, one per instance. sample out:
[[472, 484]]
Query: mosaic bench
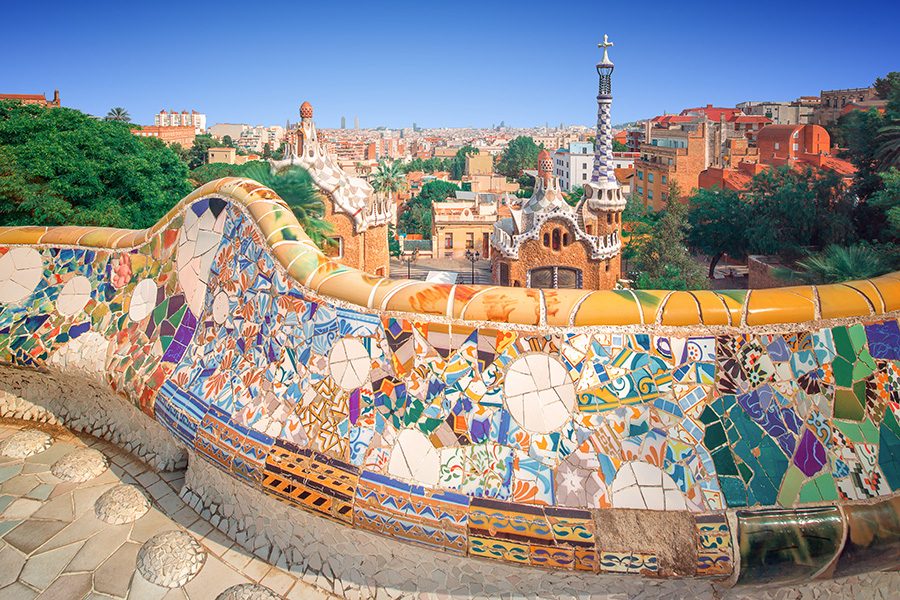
[[746, 436]]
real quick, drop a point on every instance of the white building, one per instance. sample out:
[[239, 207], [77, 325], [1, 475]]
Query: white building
[[232, 130], [181, 119], [572, 166], [255, 138]]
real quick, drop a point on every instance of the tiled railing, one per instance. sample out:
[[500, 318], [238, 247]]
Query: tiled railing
[[649, 432]]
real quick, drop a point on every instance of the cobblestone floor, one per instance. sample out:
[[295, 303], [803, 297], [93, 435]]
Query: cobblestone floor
[[53, 545]]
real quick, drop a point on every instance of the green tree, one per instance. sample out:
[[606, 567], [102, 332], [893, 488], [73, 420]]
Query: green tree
[[520, 154], [118, 114], [62, 167], [210, 172], [436, 191], [296, 188], [887, 146], [887, 200], [227, 141], [199, 151], [388, 179], [662, 260], [857, 131], [415, 218], [794, 210], [619, 146], [458, 162], [267, 151], [718, 224]]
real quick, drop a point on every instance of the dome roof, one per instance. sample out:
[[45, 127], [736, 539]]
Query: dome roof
[[306, 111]]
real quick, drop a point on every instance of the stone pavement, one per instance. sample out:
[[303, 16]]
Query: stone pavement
[[112, 526]]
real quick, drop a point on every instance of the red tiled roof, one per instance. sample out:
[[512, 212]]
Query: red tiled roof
[[748, 119], [23, 97], [713, 113]]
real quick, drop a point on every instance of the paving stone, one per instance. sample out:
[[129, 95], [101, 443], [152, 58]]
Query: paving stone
[[42, 568], [54, 453], [214, 577], [80, 465], [121, 504], [149, 525], [141, 589], [8, 472], [31, 535], [98, 548], [114, 575], [68, 587], [17, 591], [59, 507], [248, 591], [11, 563], [6, 526], [278, 580], [25, 443], [41, 492], [21, 485], [79, 530], [21, 508]]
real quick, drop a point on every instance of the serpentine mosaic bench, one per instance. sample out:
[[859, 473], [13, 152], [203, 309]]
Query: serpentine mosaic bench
[[746, 436]]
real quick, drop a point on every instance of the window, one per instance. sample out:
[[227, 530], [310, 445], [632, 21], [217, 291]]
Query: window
[[555, 277], [664, 180], [556, 239], [650, 177], [504, 273], [640, 175], [470, 241], [334, 247], [448, 241], [640, 191], [589, 229], [796, 147], [583, 176], [650, 194], [777, 146], [546, 240], [609, 218], [565, 239]]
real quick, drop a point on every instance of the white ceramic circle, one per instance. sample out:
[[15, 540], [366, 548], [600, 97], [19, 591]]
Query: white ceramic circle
[[414, 458], [349, 363], [74, 295], [143, 300], [21, 269], [538, 392]]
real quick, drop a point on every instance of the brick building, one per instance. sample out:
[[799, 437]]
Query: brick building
[[832, 103], [358, 216], [674, 155], [34, 99], [180, 134], [545, 243]]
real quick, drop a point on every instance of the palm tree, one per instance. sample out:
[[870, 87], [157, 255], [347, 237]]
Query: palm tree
[[297, 189], [118, 114], [887, 146], [388, 178], [835, 264]]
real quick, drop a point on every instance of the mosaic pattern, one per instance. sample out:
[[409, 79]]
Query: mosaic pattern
[[491, 440]]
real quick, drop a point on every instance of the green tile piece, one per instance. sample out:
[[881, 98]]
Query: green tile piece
[[850, 430], [842, 344], [857, 335], [847, 406], [843, 372], [790, 486], [869, 431]]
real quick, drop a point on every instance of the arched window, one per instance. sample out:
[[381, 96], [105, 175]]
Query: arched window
[[609, 218], [565, 239], [556, 239], [504, 273], [589, 229], [555, 277], [546, 240]]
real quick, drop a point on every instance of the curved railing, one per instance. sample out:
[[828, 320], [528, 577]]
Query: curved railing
[[750, 435]]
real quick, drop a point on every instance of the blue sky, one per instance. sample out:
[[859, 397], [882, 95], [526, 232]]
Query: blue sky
[[453, 63]]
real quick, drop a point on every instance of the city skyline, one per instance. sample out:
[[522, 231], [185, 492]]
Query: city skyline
[[392, 66]]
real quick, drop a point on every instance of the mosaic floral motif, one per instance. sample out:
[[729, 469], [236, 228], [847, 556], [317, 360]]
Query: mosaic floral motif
[[493, 441]]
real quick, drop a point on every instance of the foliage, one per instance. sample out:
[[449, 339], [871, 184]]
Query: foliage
[[887, 200], [437, 191], [210, 172], [296, 188], [835, 264], [388, 178], [62, 167], [619, 146], [393, 243], [458, 162], [574, 197], [199, 152], [520, 154], [118, 114], [431, 165], [793, 210], [416, 215], [857, 131], [662, 260], [887, 146], [718, 220]]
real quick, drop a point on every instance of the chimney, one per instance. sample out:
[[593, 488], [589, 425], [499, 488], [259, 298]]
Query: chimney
[[56, 97]]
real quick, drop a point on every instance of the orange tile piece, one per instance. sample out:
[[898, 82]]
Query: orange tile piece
[[713, 308], [681, 308], [650, 302], [560, 304], [868, 289], [609, 307], [385, 289], [889, 286], [422, 298], [837, 301], [352, 286], [69, 235], [27, 234], [506, 305], [781, 305]]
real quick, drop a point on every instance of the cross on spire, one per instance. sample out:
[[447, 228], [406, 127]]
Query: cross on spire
[[605, 44]]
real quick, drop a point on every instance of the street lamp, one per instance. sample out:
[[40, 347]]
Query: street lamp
[[409, 259], [473, 258]]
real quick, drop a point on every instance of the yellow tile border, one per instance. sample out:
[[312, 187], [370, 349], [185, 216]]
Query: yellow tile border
[[551, 308]]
